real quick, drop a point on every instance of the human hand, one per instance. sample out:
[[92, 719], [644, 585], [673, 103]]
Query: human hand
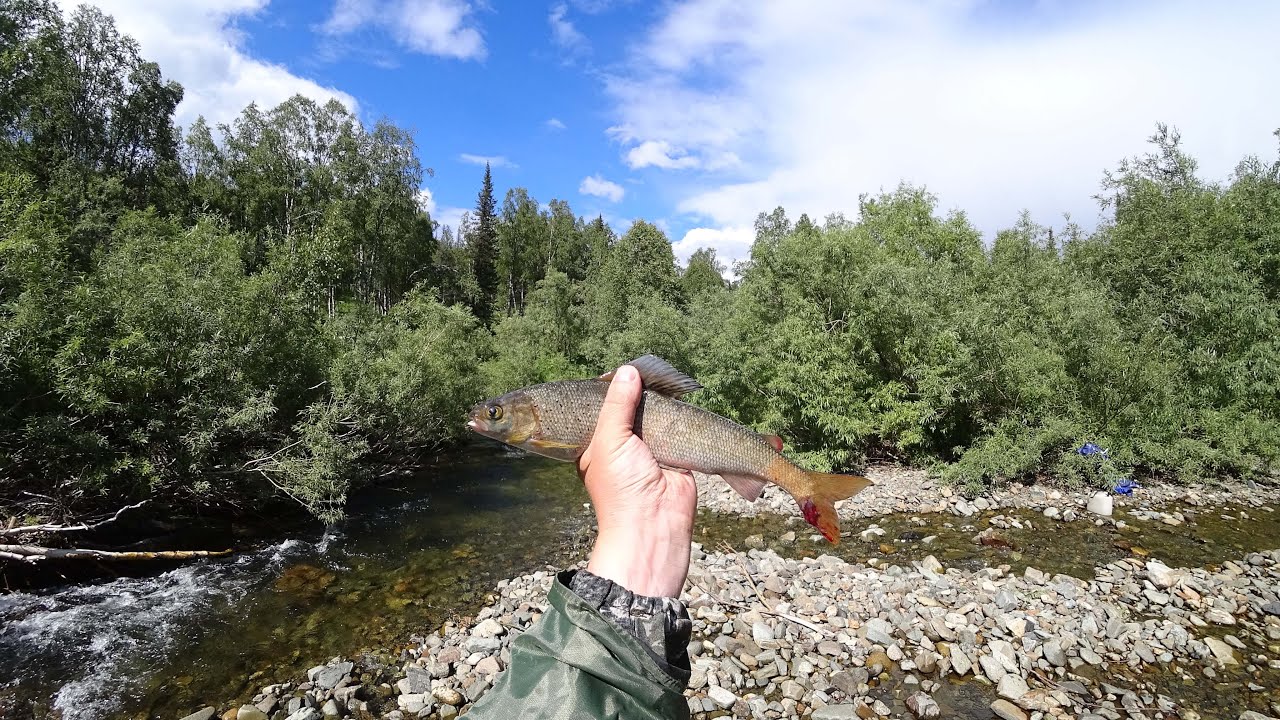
[[644, 512]]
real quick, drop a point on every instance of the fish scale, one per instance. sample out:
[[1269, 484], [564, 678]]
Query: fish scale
[[558, 419]]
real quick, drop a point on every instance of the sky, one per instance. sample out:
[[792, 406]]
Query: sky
[[697, 115]]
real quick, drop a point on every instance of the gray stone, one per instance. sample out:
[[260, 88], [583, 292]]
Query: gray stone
[[329, 676], [923, 706], [1012, 687], [306, 713], [330, 709], [1054, 654], [417, 680], [761, 632], [488, 628], [1006, 710], [1004, 652], [1220, 617], [879, 631], [792, 689], [250, 712], [1221, 651], [960, 661], [992, 668], [1271, 608], [486, 645], [836, 712], [416, 703], [847, 681], [721, 697], [1251, 715], [202, 714], [1161, 575], [346, 694]]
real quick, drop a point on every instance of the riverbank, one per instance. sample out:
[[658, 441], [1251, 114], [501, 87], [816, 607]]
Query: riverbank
[[907, 490], [776, 637], [825, 637]]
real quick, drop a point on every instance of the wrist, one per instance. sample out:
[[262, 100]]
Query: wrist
[[645, 562]]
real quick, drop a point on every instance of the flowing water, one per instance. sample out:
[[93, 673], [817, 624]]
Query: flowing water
[[410, 555], [419, 551]]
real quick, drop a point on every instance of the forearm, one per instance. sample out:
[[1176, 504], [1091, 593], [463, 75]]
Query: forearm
[[577, 662]]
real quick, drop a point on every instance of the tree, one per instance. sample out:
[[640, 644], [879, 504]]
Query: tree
[[483, 243], [523, 242], [704, 275]]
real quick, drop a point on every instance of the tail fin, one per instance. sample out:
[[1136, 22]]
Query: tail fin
[[819, 508]]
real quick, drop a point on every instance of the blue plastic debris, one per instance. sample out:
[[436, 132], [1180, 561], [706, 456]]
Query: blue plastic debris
[[1091, 449], [1125, 486]]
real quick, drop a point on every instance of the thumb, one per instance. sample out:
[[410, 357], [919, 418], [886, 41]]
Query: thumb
[[618, 413]]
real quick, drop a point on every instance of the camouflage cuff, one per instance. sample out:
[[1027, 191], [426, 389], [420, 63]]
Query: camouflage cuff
[[662, 625]]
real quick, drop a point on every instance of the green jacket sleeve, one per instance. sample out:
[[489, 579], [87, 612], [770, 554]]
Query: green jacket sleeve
[[574, 663]]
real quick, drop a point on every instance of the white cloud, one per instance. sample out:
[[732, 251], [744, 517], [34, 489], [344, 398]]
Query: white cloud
[[659, 153], [732, 245], [995, 107], [196, 43], [599, 187], [426, 201], [450, 216], [555, 124], [562, 30], [497, 161], [431, 27]]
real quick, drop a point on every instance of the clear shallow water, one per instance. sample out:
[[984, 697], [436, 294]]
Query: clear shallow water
[[411, 554], [418, 551]]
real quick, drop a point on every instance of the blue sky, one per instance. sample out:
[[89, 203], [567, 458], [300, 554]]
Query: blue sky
[[698, 114]]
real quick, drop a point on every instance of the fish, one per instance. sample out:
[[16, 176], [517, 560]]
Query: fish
[[558, 419]]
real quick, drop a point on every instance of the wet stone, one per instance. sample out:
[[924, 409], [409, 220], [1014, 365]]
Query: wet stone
[[1006, 710]]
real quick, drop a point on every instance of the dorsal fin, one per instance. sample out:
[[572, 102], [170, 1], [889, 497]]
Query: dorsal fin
[[659, 376]]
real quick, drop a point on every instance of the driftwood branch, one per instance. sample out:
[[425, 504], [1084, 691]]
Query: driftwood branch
[[36, 553], [49, 528]]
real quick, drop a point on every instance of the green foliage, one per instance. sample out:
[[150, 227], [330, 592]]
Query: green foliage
[[266, 305], [483, 244], [407, 376]]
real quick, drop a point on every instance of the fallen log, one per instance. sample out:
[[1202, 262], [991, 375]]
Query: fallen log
[[37, 553]]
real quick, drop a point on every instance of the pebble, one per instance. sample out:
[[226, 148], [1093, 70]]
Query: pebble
[[721, 697], [923, 706], [918, 622], [1006, 710]]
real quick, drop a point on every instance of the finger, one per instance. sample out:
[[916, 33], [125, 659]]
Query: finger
[[617, 414]]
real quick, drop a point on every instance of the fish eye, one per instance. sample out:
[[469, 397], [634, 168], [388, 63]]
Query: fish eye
[[495, 412]]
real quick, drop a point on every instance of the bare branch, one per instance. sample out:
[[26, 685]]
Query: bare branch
[[49, 528]]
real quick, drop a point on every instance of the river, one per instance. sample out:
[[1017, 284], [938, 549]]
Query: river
[[430, 547], [410, 554]]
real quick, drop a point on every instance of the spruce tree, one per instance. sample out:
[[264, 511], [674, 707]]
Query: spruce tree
[[483, 244]]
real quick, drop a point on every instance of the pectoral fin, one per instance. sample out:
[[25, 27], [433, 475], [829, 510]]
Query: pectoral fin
[[553, 449], [659, 376], [773, 440]]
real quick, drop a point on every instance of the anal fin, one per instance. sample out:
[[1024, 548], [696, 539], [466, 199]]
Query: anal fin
[[747, 486]]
